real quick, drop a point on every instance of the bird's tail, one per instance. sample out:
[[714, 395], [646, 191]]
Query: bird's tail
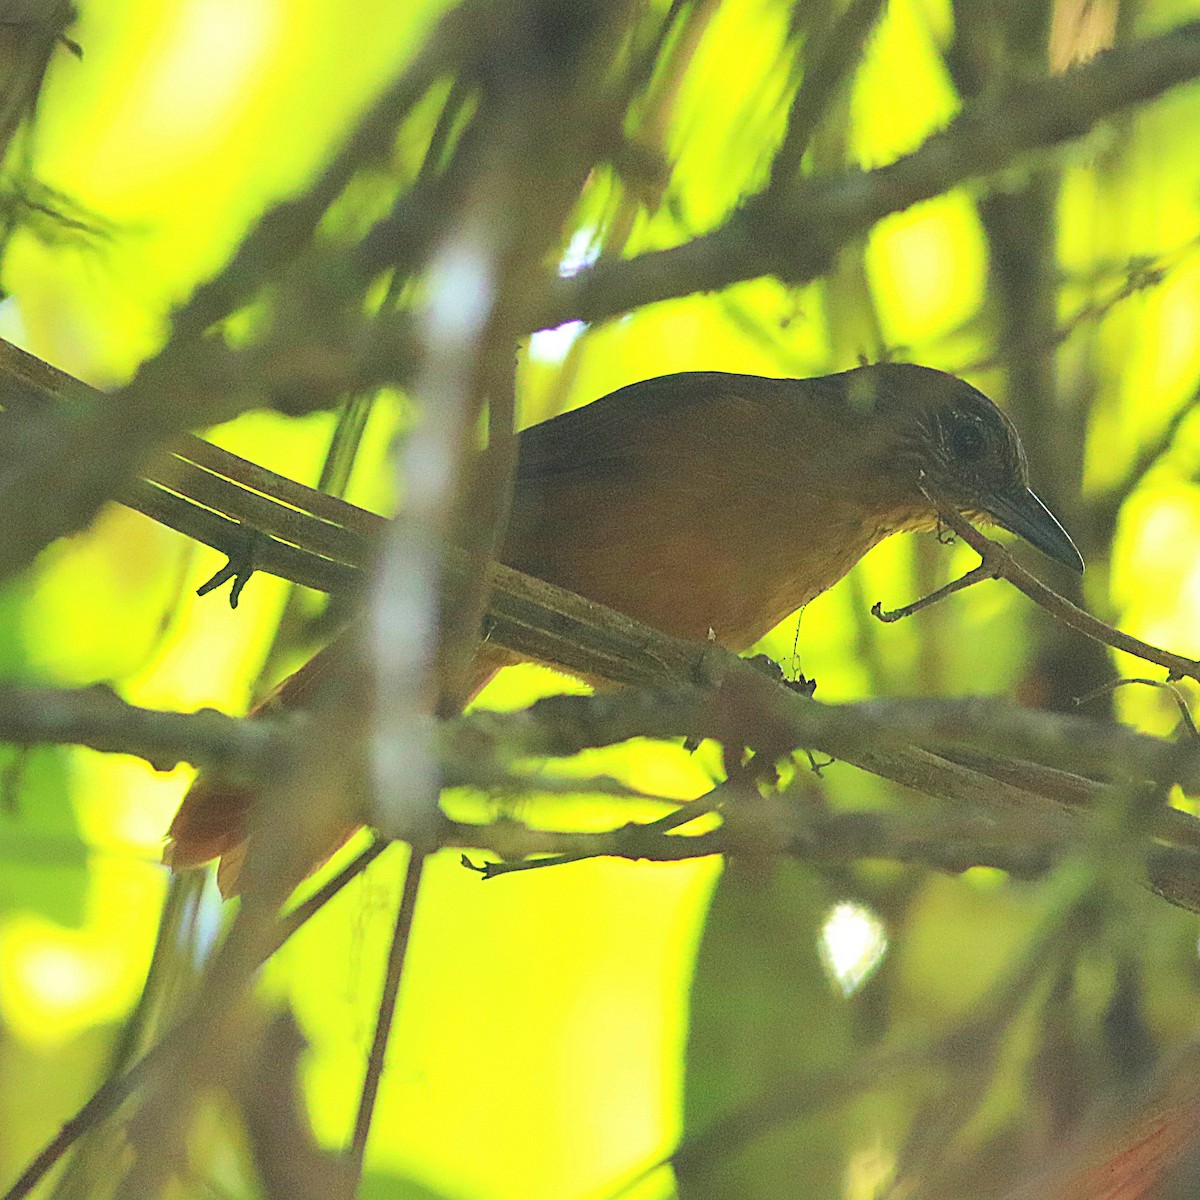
[[213, 820]]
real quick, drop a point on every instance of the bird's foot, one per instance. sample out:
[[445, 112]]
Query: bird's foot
[[801, 685], [239, 568]]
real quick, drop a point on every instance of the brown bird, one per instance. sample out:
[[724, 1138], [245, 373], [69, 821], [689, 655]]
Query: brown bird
[[707, 501]]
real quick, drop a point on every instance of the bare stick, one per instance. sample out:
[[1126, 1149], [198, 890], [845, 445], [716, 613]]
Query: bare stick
[[387, 1009], [307, 909], [1176, 693], [975, 575], [1003, 565]]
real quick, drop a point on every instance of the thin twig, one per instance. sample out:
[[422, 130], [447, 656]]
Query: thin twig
[[637, 834], [1001, 564], [397, 956], [975, 575], [826, 70], [1181, 702], [307, 909], [633, 834]]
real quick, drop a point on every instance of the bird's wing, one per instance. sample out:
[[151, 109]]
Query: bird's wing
[[603, 437]]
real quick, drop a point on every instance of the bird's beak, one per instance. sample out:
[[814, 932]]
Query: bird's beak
[[1025, 515]]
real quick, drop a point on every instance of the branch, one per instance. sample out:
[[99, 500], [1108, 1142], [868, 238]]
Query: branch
[[729, 699], [742, 707], [738, 705], [238, 750], [796, 232], [977, 739], [998, 563], [886, 738], [264, 520], [931, 841], [828, 69]]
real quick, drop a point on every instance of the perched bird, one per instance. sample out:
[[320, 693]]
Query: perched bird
[[707, 501]]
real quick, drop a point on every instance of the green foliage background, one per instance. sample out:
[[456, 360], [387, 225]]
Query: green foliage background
[[540, 1046]]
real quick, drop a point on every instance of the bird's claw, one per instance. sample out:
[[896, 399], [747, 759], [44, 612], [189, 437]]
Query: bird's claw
[[238, 567], [801, 685]]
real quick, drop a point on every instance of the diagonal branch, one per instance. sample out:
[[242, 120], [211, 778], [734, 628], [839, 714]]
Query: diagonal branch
[[795, 232], [999, 563], [829, 68]]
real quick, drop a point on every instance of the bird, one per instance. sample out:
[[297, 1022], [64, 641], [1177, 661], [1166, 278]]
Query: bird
[[712, 506]]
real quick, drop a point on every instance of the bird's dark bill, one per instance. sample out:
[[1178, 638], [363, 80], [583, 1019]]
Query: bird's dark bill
[[1026, 516]]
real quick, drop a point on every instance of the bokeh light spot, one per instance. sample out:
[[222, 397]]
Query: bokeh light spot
[[853, 944], [552, 345], [55, 983]]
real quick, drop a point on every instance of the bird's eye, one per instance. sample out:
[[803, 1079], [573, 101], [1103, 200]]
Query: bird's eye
[[965, 438]]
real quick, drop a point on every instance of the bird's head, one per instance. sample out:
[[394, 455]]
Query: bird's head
[[948, 440]]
